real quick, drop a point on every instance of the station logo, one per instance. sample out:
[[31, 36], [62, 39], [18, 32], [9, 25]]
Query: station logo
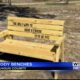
[[76, 65]]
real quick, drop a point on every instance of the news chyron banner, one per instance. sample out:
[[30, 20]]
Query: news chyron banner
[[39, 65]]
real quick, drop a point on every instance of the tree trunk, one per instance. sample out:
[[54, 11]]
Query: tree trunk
[[9, 2], [67, 1]]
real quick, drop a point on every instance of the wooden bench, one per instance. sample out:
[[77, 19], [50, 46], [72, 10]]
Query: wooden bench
[[43, 39]]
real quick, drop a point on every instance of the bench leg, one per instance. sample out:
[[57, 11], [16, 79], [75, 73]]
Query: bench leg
[[57, 58], [62, 52], [56, 75]]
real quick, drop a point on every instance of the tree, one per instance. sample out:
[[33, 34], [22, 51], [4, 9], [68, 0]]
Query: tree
[[9, 2], [67, 1]]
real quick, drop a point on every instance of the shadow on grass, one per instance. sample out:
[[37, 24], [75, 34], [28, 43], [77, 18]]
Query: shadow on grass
[[17, 58], [22, 12]]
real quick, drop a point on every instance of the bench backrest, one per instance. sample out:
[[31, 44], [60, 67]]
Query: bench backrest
[[36, 28]]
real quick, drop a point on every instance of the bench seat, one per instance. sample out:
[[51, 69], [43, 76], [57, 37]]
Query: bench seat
[[29, 49]]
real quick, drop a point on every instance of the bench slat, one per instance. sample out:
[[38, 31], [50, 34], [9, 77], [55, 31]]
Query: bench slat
[[30, 44], [38, 21], [36, 30], [31, 35], [38, 26]]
